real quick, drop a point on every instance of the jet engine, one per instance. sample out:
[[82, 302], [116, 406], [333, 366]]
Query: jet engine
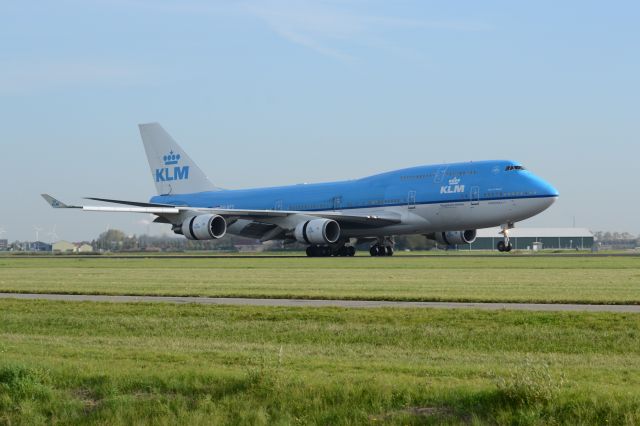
[[204, 227], [317, 231], [454, 237]]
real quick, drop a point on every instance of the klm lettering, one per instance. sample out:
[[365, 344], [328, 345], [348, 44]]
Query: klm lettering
[[451, 189], [167, 174]]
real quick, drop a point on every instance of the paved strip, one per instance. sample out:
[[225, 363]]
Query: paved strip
[[324, 302], [303, 256]]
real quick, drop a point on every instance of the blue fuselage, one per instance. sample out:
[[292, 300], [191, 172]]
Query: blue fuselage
[[435, 184]]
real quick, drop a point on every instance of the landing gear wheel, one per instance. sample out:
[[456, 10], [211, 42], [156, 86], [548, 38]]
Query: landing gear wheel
[[351, 251], [318, 251], [502, 247], [379, 250]]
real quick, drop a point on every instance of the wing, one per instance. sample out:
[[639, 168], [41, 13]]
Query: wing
[[134, 207], [284, 219]]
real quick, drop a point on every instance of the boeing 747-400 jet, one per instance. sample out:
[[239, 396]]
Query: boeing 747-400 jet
[[445, 202]]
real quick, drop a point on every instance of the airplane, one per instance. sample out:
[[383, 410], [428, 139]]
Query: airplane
[[446, 203]]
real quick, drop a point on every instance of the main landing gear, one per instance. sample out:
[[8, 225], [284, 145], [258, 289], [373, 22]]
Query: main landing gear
[[383, 247], [327, 251], [378, 250], [505, 245]]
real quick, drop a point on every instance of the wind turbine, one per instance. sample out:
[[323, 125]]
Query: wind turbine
[[37, 229], [53, 235]]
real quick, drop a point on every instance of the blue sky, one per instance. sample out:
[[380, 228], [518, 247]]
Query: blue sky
[[283, 91]]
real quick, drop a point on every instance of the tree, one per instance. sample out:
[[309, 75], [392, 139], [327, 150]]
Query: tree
[[111, 240]]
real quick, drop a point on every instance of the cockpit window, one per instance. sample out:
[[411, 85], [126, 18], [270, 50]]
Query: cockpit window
[[509, 168]]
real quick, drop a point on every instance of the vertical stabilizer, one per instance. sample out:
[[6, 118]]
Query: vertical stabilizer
[[172, 170]]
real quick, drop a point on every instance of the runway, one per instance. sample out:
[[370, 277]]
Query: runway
[[316, 303], [302, 256]]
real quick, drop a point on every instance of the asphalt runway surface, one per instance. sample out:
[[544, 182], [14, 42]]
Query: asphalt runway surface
[[302, 256], [549, 307]]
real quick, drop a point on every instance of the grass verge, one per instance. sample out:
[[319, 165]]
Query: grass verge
[[191, 364], [495, 279]]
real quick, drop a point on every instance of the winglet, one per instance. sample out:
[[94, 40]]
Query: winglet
[[57, 204]]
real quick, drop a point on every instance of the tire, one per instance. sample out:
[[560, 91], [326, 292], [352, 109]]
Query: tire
[[389, 251], [508, 248], [310, 251], [373, 251], [501, 246], [351, 251]]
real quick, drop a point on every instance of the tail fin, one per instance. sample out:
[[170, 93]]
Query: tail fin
[[172, 170]]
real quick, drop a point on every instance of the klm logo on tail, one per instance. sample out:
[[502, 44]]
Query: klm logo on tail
[[166, 174]]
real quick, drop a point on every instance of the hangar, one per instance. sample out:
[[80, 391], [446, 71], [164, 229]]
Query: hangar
[[536, 238]]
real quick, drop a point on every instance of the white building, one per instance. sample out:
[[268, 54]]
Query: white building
[[67, 247]]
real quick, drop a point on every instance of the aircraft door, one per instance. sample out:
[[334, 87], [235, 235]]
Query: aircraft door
[[337, 203], [475, 196], [411, 200]]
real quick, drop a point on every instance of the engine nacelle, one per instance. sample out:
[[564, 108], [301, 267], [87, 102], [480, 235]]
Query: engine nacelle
[[317, 231], [454, 237], [204, 227]]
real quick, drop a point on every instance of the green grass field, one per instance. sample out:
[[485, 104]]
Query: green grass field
[[104, 363], [456, 278], [126, 363]]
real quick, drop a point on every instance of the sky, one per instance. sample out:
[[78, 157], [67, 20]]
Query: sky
[[278, 92]]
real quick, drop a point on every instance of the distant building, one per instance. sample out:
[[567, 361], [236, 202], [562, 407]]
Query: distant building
[[35, 246], [63, 247], [4, 245], [83, 248], [67, 247], [536, 238]]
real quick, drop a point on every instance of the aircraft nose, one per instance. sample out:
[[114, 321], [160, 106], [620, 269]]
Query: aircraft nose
[[544, 188], [545, 193]]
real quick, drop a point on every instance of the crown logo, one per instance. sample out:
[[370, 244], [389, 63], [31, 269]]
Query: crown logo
[[454, 181], [171, 158]]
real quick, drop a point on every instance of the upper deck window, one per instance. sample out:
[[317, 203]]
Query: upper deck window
[[509, 168]]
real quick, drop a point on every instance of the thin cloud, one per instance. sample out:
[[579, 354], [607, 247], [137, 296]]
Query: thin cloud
[[27, 77], [320, 25], [311, 43]]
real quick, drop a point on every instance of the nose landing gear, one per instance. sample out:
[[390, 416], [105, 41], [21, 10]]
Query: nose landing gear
[[502, 246], [505, 245]]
